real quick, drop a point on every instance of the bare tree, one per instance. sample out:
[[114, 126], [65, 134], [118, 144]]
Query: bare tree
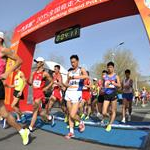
[[123, 59]]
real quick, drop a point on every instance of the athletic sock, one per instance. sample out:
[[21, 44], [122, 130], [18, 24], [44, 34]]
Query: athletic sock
[[72, 130], [30, 128], [81, 122], [21, 131], [49, 117]]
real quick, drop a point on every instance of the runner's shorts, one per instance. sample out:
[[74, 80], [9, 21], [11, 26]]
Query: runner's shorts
[[94, 97], [2, 91], [101, 98], [86, 95], [15, 93], [110, 97], [73, 96], [57, 94], [38, 94], [127, 96]]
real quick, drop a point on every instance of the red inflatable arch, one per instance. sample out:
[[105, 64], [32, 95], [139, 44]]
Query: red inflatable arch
[[61, 14]]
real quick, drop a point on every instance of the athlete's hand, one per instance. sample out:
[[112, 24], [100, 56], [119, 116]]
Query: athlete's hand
[[113, 83], [107, 83], [45, 89], [19, 94], [4, 76], [63, 88], [70, 77]]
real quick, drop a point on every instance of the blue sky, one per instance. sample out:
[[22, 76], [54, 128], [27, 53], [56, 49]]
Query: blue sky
[[101, 36]]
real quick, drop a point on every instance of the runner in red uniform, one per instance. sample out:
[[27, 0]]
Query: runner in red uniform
[[57, 90], [37, 80], [85, 105]]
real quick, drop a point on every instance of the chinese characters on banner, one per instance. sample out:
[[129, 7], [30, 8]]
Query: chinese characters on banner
[[54, 12]]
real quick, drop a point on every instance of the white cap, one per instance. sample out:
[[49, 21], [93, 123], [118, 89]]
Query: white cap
[[2, 35], [39, 59], [95, 79]]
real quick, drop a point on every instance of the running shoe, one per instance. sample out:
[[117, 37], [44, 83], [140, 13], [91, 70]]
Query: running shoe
[[66, 119], [83, 116], [25, 136], [108, 128], [18, 120], [69, 135], [102, 123], [76, 123], [87, 118], [53, 121], [30, 129], [98, 115], [44, 119], [23, 118], [123, 120], [129, 117], [4, 124], [81, 127]]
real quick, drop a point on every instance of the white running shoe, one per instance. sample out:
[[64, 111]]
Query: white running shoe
[[4, 124], [129, 118], [123, 120]]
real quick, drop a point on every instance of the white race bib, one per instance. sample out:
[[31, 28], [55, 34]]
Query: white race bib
[[37, 83], [109, 84], [16, 82]]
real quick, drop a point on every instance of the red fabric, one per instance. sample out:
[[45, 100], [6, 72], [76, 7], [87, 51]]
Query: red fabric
[[39, 76], [100, 83], [38, 94], [57, 78], [86, 95], [57, 94], [87, 82]]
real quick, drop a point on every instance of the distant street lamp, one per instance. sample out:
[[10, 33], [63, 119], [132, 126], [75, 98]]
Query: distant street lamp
[[113, 53]]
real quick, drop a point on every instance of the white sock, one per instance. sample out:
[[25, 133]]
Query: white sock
[[22, 115], [49, 117], [21, 131], [72, 130], [30, 128], [81, 122]]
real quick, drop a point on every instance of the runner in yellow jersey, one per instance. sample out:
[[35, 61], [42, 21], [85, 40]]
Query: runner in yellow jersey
[[19, 85], [95, 94]]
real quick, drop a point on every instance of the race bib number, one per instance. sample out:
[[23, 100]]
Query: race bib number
[[73, 82], [37, 83], [108, 84], [16, 82]]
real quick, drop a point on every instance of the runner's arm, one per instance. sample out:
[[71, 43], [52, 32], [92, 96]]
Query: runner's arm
[[83, 76], [18, 61], [89, 86], [30, 81], [118, 84], [22, 76], [66, 84], [50, 79], [8, 86]]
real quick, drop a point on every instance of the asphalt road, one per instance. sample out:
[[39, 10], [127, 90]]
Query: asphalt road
[[41, 140]]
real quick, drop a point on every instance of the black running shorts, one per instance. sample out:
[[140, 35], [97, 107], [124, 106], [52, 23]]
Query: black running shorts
[[2, 91]]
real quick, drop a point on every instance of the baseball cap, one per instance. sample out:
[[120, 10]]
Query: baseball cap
[[94, 79], [2, 35], [39, 59]]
